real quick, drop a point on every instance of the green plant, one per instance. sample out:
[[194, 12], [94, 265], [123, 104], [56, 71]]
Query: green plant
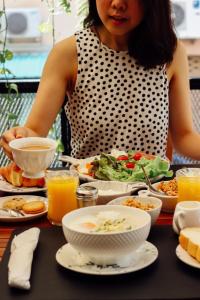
[[54, 7]]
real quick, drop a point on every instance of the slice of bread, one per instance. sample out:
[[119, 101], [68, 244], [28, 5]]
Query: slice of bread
[[189, 240]]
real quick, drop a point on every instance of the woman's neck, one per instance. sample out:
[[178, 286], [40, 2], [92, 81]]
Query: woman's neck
[[115, 42]]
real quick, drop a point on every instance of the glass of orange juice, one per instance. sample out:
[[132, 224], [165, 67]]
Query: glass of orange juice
[[61, 192], [188, 180]]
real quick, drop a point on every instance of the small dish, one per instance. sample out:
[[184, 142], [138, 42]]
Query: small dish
[[168, 202], [71, 259], [145, 200], [186, 258], [25, 217], [109, 190]]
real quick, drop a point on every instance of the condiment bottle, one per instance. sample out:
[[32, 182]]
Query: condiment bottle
[[86, 196]]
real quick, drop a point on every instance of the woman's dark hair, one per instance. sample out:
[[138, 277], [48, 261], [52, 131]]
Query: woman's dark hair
[[154, 41]]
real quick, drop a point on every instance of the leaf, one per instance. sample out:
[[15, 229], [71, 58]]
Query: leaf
[[8, 54], [65, 5], [45, 27], [60, 147], [12, 116], [4, 71], [13, 87], [2, 58]]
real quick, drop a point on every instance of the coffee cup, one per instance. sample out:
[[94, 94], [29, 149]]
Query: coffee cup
[[186, 214]]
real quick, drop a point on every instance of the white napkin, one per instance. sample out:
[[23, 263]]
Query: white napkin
[[19, 265]]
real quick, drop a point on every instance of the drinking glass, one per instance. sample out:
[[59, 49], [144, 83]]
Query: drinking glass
[[188, 180], [61, 193]]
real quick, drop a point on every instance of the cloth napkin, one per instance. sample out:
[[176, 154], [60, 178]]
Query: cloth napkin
[[20, 262]]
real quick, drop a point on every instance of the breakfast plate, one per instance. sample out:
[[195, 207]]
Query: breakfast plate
[[71, 259], [186, 258], [7, 187], [4, 217]]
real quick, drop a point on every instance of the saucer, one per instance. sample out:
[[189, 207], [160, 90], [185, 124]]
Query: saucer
[[71, 259], [186, 258]]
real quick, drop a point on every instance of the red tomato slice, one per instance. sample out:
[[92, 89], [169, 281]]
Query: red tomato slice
[[122, 157], [130, 165], [137, 156]]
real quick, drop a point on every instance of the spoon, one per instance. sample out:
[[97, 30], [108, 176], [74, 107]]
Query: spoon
[[148, 182], [12, 212]]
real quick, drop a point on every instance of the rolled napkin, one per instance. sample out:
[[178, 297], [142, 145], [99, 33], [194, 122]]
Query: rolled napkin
[[20, 262]]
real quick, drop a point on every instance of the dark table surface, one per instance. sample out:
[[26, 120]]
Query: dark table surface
[[166, 278]]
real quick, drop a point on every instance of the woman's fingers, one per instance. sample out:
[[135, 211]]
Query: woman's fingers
[[8, 136]]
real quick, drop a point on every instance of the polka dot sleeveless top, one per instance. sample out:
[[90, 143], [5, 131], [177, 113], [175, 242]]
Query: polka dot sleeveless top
[[116, 103]]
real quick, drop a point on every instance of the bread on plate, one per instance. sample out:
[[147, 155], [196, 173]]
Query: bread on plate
[[13, 174], [189, 240]]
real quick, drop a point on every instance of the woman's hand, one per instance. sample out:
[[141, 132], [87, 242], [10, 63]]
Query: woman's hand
[[14, 133]]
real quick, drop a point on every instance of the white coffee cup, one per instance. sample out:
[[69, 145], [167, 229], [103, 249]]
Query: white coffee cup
[[186, 214]]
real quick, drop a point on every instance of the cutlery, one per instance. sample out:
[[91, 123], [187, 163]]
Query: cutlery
[[69, 159], [148, 182], [12, 212]]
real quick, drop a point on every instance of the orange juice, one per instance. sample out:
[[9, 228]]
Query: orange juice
[[188, 188], [61, 191]]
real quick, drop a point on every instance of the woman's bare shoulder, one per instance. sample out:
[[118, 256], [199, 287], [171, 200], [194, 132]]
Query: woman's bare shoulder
[[179, 60], [63, 59]]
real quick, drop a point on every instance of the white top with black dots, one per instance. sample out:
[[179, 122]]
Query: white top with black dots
[[116, 103]]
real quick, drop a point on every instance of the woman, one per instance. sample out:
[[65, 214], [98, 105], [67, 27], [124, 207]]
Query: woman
[[126, 78]]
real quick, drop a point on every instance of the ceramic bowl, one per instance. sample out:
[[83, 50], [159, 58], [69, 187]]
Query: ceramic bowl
[[143, 204], [106, 247], [109, 190], [168, 202], [33, 155]]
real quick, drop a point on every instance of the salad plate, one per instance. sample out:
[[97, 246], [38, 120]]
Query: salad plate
[[24, 217], [8, 187], [120, 166], [186, 258], [71, 259]]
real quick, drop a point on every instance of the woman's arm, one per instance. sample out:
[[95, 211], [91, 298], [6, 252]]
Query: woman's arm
[[58, 78], [185, 139]]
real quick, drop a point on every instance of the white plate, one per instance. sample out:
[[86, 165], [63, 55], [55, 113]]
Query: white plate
[[71, 259], [186, 258], [7, 187], [27, 216], [80, 165]]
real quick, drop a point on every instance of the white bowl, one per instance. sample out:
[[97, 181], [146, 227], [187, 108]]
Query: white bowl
[[109, 190], [33, 162], [168, 202], [106, 247], [153, 212]]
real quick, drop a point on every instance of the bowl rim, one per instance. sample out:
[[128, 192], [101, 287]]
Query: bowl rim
[[109, 183], [147, 221], [52, 143], [159, 206], [163, 196]]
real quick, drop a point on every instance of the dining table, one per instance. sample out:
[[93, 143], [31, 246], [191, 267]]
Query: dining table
[[166, 278]]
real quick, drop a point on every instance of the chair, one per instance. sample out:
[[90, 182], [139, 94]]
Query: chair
[[195, 103], [14, 112]]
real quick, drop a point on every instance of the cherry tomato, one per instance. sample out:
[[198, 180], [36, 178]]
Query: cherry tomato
[[130, 165], [122, 157], [137, 156]]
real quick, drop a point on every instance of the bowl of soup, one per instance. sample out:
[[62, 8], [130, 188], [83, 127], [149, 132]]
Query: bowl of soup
[[33, 155], [107, 234]]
